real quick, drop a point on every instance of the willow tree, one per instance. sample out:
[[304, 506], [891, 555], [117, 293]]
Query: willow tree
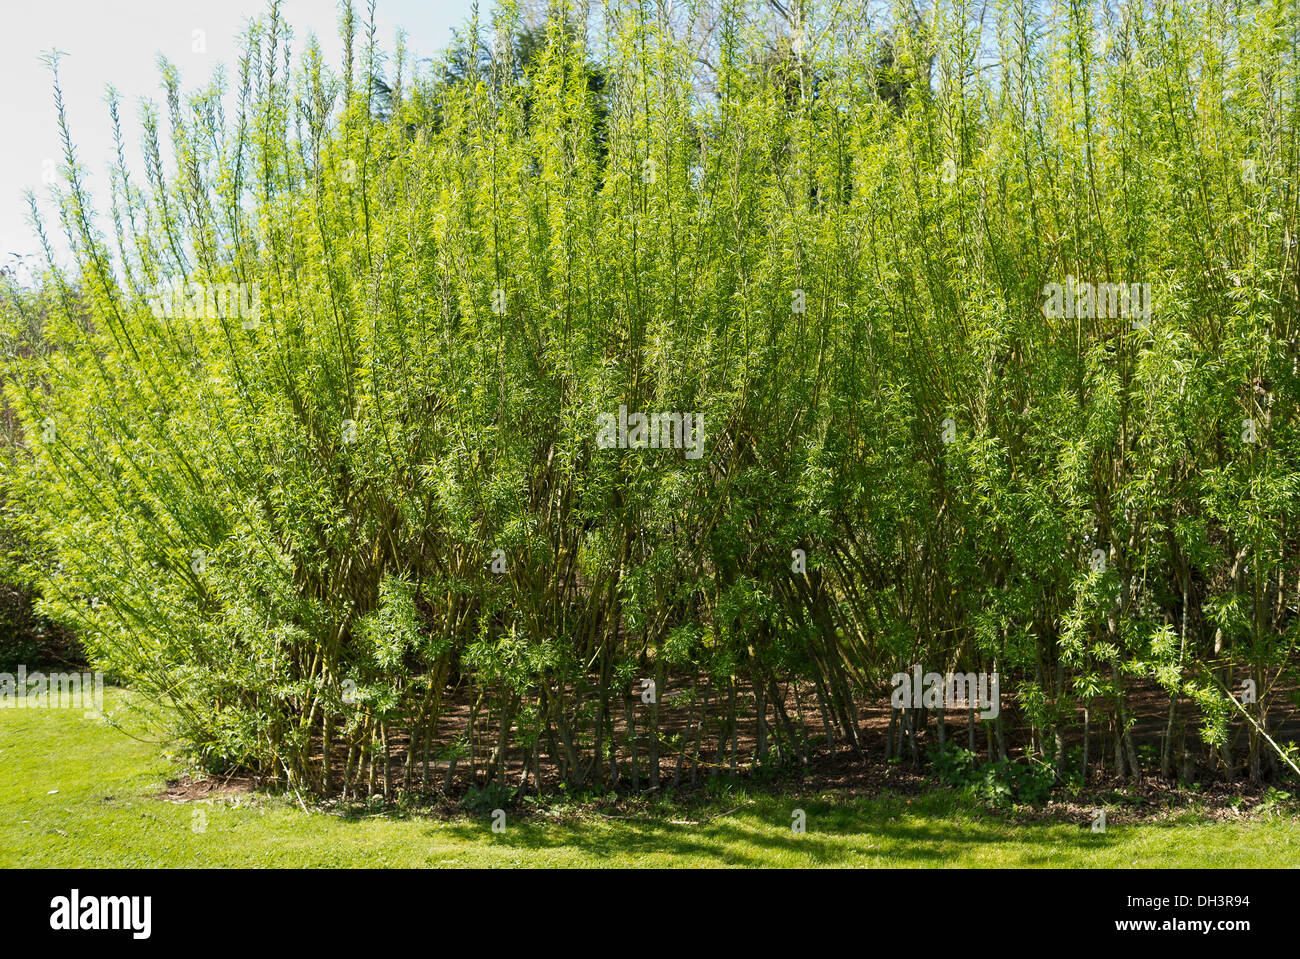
[[978, 336]]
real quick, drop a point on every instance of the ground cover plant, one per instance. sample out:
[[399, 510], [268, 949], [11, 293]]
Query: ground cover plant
[[638, 396]]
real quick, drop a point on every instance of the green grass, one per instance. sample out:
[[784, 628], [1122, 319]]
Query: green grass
[[104, 814]]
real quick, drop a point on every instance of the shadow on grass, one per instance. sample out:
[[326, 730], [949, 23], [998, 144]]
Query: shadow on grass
[[928, 833]]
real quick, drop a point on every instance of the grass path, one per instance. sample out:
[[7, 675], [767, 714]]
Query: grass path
[[76, 792]]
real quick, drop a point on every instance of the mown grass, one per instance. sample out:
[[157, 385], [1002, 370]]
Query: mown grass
[[76, 792]]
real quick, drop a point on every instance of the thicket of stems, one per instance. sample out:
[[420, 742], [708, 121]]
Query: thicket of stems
[[833, 248]]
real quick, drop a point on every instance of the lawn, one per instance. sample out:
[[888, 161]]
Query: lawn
[[76, 792]]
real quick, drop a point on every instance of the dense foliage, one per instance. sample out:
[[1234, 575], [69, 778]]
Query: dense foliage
[[304, 517]]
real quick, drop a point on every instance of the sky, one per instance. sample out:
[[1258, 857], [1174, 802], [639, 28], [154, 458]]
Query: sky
[[118, 42]]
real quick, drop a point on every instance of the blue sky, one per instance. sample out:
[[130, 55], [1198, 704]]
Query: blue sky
[[118, 42]]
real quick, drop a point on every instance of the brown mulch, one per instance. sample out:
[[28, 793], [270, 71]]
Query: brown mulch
[[189, 789], [847, 774]]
